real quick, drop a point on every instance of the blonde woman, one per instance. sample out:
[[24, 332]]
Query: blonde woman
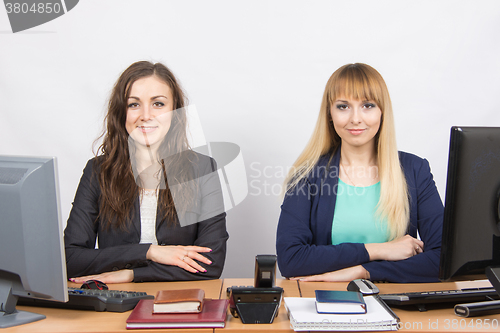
[[354, 204]]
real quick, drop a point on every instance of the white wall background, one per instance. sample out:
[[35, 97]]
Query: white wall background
[[256, 71]]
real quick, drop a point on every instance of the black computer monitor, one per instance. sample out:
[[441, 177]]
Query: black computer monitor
[[32, 260], [471, 225]]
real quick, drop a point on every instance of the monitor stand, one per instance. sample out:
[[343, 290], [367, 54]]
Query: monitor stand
[[493, 274], [9, 315], [483, 308]]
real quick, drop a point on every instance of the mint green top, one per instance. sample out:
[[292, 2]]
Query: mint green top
[[354, 220]]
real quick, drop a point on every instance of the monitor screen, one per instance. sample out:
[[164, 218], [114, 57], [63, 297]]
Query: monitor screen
[[471, 228], [32, 260]]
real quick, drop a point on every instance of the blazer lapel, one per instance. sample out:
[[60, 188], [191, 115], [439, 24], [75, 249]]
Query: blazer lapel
[[328, 184], [136, 221]]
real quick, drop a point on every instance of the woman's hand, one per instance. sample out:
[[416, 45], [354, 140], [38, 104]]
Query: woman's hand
[[398, 249], [342, 275], [123, 276], [181, 256]]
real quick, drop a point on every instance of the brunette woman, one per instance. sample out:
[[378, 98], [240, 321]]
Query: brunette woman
[[148, 208]]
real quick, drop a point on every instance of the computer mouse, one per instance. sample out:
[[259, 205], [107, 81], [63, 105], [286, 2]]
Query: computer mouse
[[94, 284], [366, 287]]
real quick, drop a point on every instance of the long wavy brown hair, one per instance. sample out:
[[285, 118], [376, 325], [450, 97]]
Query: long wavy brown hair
[[119, 189]]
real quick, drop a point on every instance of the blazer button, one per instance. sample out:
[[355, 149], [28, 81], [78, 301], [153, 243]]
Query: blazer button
[[115, 268], [128, 266], [163, 244]]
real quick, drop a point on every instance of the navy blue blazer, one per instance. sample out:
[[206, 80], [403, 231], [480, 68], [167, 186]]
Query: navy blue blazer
[[120, 249], [304, 243]]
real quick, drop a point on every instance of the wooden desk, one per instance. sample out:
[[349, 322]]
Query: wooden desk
[[62, 320], [434, 320], [280, 323]]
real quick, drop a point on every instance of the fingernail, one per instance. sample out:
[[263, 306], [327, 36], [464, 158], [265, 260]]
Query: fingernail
[[209, 262], [204, 271]]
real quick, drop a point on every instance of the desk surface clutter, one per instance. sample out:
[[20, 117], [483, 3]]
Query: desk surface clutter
[[433, 320]]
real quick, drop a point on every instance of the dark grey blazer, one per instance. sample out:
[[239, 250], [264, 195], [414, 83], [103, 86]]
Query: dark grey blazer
[[119, 249]]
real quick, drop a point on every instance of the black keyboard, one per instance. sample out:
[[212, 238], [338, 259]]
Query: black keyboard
[[92, 299], [443, 296]]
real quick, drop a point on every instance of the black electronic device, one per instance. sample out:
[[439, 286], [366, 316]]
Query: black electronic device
[[477, 309], [471, 224], [493, 274], [92, 299], [258, 304], [441, 296], [94, 284], [265, 271], [255, 305], [366, 287], [486, 307]]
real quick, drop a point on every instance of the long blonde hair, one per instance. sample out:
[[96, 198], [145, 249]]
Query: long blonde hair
[[361, 82]]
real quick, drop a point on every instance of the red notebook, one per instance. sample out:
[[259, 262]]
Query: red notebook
[[213, 315]]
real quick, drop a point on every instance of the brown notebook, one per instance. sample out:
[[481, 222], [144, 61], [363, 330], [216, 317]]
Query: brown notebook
[[179, 301], [213, 315]]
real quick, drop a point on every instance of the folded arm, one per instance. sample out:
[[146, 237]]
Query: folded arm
[[124, 253], [296, 242]]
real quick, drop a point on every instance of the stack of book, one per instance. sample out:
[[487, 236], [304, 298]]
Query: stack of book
[[186, 308], [340, 311]]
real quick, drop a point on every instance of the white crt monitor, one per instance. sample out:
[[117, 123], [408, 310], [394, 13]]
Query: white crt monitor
[[32, 260]]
